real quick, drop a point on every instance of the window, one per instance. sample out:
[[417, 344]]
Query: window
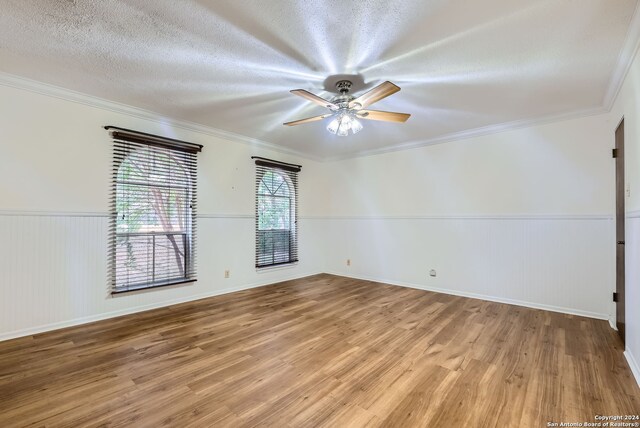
[[276, 213], [153, 211]]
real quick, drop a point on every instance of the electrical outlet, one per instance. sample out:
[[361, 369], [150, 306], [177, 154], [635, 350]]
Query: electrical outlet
[[348, 262], [227, 273], [432, 272]]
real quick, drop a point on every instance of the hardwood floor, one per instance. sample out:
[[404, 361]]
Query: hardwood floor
[[320, 351]]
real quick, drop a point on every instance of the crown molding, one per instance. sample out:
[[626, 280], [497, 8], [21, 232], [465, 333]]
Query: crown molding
[[625, 59], [46, 89], [18, 82], [476, 132]]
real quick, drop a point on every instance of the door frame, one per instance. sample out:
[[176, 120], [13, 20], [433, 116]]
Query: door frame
[[620, 195]]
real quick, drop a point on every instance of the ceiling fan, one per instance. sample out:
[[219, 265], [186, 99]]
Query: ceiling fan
[[347, 109]]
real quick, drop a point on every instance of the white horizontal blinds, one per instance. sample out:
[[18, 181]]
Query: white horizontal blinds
[[153, 211], [276, 212]]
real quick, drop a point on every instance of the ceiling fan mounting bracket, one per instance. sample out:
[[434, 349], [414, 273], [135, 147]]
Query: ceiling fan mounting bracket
[[343, 86]]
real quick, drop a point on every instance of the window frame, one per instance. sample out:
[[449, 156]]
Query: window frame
[[149, 148], [288, 172]]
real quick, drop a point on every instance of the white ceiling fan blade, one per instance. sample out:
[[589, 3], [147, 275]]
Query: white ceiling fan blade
[[381, 91], [314, 98], [387, 116], [307, 120]]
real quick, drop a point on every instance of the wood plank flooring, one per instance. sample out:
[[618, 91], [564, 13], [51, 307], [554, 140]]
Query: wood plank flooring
[[320, 351]]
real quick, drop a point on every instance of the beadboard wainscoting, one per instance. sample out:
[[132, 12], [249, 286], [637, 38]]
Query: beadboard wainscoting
[[558, 263], [632, 289], [54, 265], [54, 268]]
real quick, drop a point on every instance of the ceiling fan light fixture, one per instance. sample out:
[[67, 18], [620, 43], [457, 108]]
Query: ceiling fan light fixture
[[345, 126], [356, 126], [333, 125], [344, 122]]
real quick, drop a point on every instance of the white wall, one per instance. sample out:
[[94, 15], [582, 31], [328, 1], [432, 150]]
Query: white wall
[[55, 162], [627, 105], [523, 216], [560, 168]]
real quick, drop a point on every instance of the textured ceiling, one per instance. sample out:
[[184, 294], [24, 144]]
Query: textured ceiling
[[230, 64]]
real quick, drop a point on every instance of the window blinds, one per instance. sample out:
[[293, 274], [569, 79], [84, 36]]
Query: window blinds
[[153, 211], [276, 212]]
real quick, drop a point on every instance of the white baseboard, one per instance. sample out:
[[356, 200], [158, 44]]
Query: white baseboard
[[128, 311], [532, 305], [612, 324], [633, 365]]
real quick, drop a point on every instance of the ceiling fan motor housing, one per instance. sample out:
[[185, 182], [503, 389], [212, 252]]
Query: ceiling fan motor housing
[[342, 100]]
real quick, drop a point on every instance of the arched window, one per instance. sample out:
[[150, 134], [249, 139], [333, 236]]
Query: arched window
[[276, 215], [153, 215]]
